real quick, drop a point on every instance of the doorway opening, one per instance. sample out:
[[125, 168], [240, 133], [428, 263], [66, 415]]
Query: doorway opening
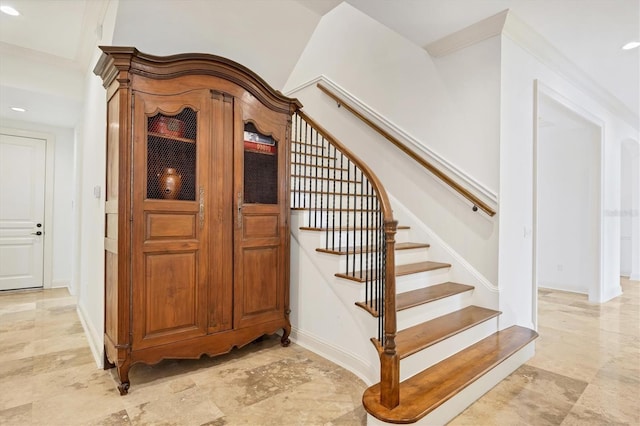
[[567, 194]]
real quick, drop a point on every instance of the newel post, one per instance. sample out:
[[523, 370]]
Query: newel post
[[389, 362]]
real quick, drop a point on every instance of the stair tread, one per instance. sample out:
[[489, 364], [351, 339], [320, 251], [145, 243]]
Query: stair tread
[[424, 295], [427, 390], [409, 268], [359, 249], [420, 296], [311, 191], [315, 228], [421, 336]]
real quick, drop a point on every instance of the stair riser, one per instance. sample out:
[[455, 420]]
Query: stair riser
[[311, 183], [425, 358], [403, 257], [313, 172], [428, 311], [410, 282], [325, 201], [302, 158], [339, 219], [353, 237]]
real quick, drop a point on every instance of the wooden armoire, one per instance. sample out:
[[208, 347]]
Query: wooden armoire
[[197, 207]]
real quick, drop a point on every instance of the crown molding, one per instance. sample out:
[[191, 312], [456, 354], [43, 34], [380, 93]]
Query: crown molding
[[530, 40], [507, 24], [474, 33]]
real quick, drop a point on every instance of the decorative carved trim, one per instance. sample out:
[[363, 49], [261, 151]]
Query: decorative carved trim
[[119, 59]]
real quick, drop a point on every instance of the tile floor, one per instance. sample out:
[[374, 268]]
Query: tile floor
[[586, 372]]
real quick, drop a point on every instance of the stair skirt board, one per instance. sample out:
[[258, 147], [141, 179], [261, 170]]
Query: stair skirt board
[[463, 399]]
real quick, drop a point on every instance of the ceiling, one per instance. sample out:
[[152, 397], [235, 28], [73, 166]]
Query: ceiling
[[59, 36]]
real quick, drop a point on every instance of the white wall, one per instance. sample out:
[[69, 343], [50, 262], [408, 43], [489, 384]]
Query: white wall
[[520, 68], [90, 158], [265, 36], [471, 81], [568, 216], [449, 104], [441, 103], [62, 227]]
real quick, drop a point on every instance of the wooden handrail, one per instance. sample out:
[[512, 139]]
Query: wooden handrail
[[477, 203]]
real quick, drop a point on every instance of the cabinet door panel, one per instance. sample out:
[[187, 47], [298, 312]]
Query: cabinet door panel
[[261, 226], [170, 280], [170, 227], [260, 278], [260, 223], [163, 225]]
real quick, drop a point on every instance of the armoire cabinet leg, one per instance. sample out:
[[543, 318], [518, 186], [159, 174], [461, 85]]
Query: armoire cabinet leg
[[124, 388], [284, 341], [123, 374]]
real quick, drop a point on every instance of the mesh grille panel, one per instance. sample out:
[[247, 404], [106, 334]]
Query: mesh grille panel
[[260, 167], [171, 156]]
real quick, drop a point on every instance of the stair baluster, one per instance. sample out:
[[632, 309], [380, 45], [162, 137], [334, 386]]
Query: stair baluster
[[346, 177]]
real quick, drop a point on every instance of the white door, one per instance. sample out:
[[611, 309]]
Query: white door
[[22, 183]]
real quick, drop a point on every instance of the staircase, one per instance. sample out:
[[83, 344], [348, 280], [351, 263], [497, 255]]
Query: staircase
[[438, 351]]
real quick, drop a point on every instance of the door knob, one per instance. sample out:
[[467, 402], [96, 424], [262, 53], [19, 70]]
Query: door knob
[[37, 233]]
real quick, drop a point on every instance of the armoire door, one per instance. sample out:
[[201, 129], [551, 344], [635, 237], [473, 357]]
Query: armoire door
[[170, 216], [260, 201]]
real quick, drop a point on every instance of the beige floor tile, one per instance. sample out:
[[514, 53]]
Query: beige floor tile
[[613, 405], [17, 416], [586, 371], [186, 407], [596, 346]]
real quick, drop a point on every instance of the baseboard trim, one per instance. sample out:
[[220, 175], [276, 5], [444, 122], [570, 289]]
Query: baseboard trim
[[559, 287], [61, 284], [612, 293], [96, 343], [344, 359]]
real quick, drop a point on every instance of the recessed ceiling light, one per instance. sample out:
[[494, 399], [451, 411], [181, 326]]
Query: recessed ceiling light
[[631, 45], [18, 109], [9, 10]]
